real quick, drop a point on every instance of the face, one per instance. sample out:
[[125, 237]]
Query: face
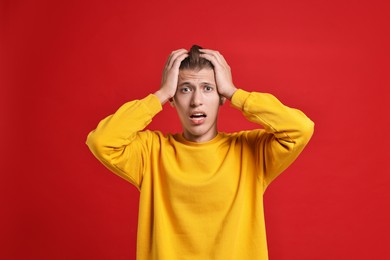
[[197, 103]]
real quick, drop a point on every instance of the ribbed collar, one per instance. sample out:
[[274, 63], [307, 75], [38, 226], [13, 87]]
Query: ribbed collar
[[180, 138]]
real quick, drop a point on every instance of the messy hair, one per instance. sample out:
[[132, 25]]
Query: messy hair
[[194, 61]]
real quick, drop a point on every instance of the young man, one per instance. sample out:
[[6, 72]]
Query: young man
[[201, 191]]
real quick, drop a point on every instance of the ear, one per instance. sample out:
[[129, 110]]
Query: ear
[[222, 100], [171, 102]]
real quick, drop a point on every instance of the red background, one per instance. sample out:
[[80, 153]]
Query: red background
[[67, 64]]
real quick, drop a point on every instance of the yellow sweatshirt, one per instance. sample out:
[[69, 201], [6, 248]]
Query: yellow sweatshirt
[[201, 200]]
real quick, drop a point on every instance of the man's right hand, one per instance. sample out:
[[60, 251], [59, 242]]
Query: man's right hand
[[170, 75]]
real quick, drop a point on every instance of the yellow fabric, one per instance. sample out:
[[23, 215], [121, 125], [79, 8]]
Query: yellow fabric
[[201, 200]]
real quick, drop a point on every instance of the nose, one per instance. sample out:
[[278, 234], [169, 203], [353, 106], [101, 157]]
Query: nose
[[196, 99]]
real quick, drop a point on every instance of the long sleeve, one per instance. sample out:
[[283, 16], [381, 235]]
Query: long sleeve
[[287, 131], [118, 141]]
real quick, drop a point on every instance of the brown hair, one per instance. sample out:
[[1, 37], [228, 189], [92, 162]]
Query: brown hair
[[194, 62]]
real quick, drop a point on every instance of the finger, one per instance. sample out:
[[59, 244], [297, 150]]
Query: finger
[[177, 62], [216, 54], [175, 65], [168, 62], [174, 56], [212, 59]]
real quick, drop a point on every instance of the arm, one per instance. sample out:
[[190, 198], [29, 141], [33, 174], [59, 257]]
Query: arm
[[119, 142], [288, 130]]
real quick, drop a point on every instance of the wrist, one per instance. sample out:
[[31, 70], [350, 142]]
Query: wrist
[[162, 96], [229, 94]]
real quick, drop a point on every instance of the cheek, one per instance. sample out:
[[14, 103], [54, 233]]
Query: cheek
[[216, 102], [178, 102], [180, 108], [215, 108]]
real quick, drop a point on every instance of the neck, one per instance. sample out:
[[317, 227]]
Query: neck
[[199, 138]]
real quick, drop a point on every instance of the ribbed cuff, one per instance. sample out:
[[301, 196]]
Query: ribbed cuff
[[153, 104], [239, 97]]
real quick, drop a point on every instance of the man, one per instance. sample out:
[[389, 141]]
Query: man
[[201, 191]]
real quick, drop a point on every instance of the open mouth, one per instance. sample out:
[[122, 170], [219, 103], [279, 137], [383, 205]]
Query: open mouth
[[198, 115], [198, 118]]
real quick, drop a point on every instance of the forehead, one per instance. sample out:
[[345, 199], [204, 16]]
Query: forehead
[[203, 75]]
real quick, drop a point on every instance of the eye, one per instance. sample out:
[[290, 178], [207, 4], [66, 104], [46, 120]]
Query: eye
[[208, 88], [185, 89]]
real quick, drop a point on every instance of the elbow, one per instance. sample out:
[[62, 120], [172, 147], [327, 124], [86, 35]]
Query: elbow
[[309, 127], [95, 144], [307, 131], [91, 140]]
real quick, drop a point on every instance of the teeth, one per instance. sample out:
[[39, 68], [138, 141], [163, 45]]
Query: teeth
[[198, 115]]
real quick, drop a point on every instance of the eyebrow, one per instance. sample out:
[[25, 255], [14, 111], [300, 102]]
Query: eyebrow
[[202, 83]]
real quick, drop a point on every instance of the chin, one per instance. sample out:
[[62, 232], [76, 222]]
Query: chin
[[197, 134]]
